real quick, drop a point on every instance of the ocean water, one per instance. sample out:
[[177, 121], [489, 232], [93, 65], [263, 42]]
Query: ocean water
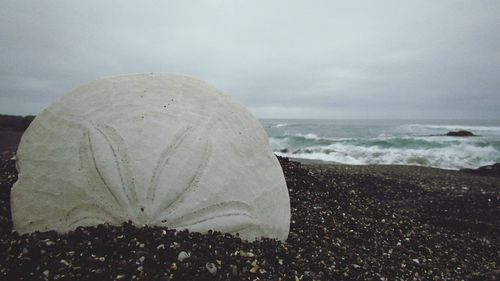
[[359, 142]]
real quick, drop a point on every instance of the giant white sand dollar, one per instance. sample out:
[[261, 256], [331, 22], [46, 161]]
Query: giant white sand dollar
[[155, 149]]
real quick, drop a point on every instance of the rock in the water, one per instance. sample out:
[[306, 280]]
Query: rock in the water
[[461, 133], [154, 149]]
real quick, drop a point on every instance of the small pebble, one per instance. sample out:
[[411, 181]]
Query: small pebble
[[182, 256], [212, 269], [246, 254], [234, 270]]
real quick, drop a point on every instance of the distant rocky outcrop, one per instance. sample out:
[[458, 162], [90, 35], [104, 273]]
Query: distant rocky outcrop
[[461, 133], [15, 123], [490, 170]]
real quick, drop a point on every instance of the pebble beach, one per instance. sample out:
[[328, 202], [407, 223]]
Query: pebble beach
[[372, 222]]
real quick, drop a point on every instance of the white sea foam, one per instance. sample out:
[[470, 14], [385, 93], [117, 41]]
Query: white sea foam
[[280, 125], [309, 136], [452, 157], [277, 144]]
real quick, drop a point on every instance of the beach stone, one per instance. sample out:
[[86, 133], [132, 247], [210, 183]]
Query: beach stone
[[153, 149], [182, 256], [211, 268]]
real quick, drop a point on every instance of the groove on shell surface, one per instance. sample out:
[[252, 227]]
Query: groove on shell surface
[[94, 157], [102, 143]]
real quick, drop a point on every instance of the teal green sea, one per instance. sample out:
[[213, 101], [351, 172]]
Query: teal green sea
[[407, 142]]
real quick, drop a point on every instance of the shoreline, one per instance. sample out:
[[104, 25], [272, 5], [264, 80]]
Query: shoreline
[[484, 171]]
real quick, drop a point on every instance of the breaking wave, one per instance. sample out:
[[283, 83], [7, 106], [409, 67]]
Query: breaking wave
[[438, 152]]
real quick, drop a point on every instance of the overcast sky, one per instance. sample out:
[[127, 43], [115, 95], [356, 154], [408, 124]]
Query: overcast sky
[[282, 59]]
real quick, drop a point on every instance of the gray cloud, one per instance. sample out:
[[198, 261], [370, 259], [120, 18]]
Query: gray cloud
[[298, 59]]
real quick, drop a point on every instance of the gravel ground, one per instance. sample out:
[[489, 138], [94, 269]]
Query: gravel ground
[[348, 223]]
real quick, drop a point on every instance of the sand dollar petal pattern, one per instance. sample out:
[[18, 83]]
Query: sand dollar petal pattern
[[155, 149]]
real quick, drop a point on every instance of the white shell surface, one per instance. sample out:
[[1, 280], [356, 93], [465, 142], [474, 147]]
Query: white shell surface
[[155, 149]]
